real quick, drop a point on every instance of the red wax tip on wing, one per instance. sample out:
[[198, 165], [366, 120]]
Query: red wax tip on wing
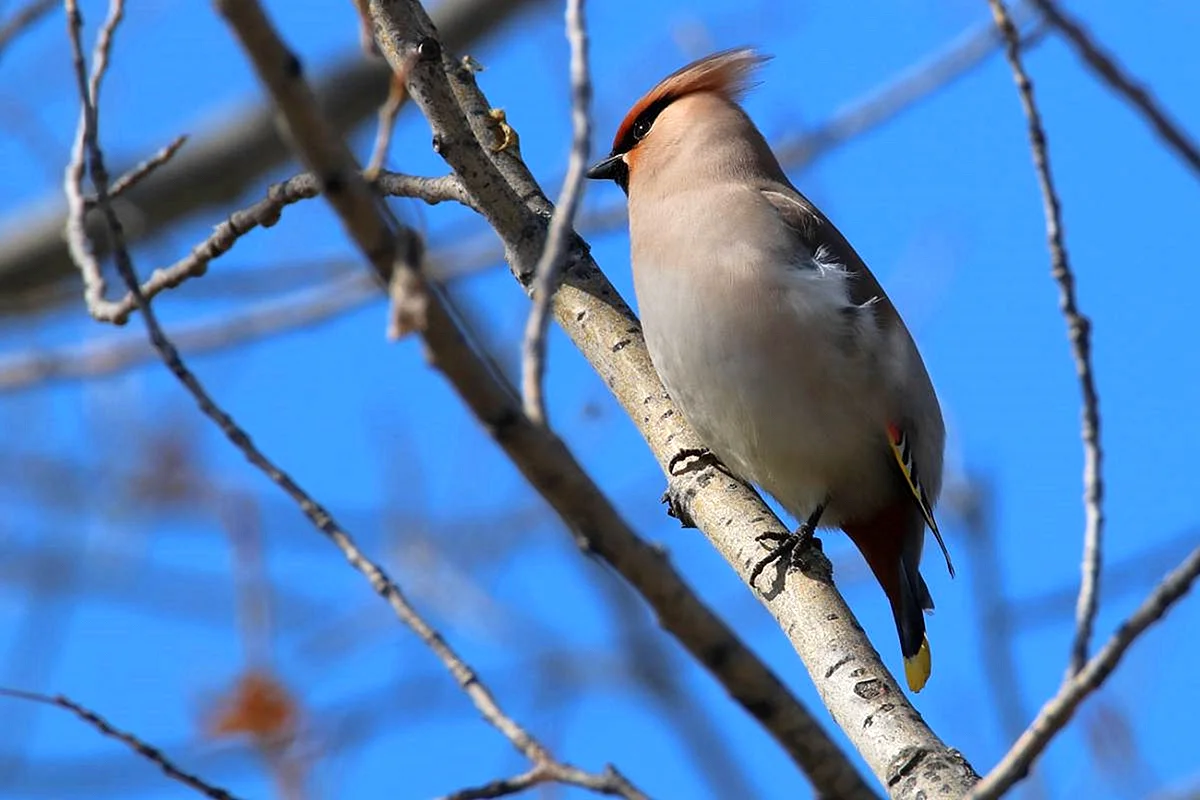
[[893, 433]]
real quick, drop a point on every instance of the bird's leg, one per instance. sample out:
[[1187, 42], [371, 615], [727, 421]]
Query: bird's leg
[[789, 545]]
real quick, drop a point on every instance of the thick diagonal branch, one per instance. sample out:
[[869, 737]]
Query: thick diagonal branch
[[862, 696], [540, 455]]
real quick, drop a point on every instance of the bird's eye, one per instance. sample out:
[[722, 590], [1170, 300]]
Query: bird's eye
[[641, 128]]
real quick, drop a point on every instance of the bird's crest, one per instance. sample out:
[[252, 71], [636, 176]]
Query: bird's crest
[[726, 73]]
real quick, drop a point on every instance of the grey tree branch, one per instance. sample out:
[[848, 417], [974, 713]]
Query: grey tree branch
[[884, 103], [142, 170], [464, 675], [1079, 330], [264, 214], [554, 254], [864, 699], [26, 370], [1109, 71], [541, 457], [299, 309], [131, 741], [609, 782], [1055, 715], [902, 92], [219, 165], [973, 502]]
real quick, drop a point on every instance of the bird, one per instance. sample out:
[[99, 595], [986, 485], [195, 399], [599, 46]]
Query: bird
[[774, 339]]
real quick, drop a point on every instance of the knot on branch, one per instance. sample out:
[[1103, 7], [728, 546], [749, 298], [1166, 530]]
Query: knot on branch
[[429, 49]]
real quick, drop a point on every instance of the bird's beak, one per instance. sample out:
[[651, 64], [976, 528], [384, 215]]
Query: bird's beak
[[608, 169]]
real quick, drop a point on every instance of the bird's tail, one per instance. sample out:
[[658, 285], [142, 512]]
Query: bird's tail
[[891, 544]]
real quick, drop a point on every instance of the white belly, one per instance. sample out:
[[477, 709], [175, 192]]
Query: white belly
[[765, 369]]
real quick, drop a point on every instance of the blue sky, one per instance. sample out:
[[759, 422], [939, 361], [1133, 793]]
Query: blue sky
[[942, 202]]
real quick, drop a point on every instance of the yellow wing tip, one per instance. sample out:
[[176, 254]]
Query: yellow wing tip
[[918, 667]]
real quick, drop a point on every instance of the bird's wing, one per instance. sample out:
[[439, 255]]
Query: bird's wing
[[903, 454], [820, 236]]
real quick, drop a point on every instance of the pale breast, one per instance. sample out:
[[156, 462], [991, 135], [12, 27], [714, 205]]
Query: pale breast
[[763, 359]]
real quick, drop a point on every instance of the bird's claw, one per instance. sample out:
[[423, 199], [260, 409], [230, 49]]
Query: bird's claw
[[789, 546], [696, 458], [677, 508]]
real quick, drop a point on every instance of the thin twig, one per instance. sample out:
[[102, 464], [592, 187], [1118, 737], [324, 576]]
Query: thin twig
[[538, 454], [1107, 68], [973, 502], [264, 214], [1120, 578], [554, 254], [133, 176], [797, 152], [77, 237], [609, 782], [383, 585], [304, 308], [389, 247], [1079, 331], [900, 93], [812, 613], [225, 162], [133, 742], [292, 311], [1074, 690], [388, 113]]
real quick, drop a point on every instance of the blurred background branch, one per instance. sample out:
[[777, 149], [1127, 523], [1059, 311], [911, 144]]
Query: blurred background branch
[[116, 582]]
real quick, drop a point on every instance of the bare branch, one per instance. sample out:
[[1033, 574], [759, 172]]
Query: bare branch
[[131, 178], [550, 468], [609, 782], [264, 214], [882, 104], [1109, 71], [295, 310], [388, 247], [973, 502], [388, 112], [902, 92], [388, 244], [1074, 690], [463, 674], [77, 236], [133, 742], [554, 254], [862, 695], [1079, 330], [220, 164]]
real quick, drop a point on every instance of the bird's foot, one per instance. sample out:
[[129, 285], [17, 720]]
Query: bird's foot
[[694, 459], [787, 548], [677, 508]]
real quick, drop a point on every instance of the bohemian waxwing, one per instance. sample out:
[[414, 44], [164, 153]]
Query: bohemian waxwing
[[773, 337]]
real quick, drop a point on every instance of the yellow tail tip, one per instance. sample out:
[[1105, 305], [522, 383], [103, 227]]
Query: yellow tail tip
[[917, 668]]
